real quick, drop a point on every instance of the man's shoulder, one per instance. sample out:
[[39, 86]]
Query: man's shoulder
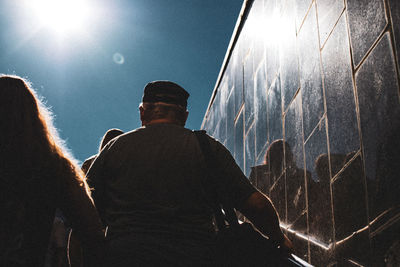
[[89, 160], [214, 141], [217, 147], [130, 133]]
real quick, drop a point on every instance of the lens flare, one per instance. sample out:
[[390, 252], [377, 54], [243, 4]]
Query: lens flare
[[118, 58]]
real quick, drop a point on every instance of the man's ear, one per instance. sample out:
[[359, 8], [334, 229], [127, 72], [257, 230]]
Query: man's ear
[[141, 111]]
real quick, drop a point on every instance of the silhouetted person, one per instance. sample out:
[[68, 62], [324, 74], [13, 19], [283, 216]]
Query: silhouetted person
[[37, 176], [279, 164], [264, 176], [108, 136], [275, 157], [267, 176], [319, 199], [74, 248], [148, 188]]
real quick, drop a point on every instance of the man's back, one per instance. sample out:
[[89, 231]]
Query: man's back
[[153, 176], [149, 190]]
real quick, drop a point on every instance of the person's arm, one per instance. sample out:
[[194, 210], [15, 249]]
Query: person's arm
[[261, 212], [96, 175], [238, 192], [79, 209]]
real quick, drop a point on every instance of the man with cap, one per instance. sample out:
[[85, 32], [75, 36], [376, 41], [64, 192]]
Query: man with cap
[[149, 188]]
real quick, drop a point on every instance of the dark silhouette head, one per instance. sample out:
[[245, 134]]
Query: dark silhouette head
[[322, 168], [164, 102], [277, 152], [165, 92], [110, 134]]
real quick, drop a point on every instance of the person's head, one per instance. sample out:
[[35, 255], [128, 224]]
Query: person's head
[[27, 136], [110, 134], [164, 102], [277, 151], [19, 107]]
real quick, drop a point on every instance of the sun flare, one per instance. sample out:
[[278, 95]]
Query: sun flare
[[62, 16]]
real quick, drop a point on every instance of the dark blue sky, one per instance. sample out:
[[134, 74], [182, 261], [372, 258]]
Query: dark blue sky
[[180, 40]]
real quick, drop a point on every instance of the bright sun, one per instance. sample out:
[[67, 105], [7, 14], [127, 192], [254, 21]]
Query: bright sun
[[63, 16]]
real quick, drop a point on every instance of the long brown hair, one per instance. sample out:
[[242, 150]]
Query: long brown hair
[[29, 143]]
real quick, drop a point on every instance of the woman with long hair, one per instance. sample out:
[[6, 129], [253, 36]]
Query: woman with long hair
[[37, 175]]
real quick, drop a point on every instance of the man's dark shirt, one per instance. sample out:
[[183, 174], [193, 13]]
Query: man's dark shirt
[[149, 184]]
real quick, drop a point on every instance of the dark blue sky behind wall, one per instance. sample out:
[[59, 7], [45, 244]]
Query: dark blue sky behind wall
[[93, 76]]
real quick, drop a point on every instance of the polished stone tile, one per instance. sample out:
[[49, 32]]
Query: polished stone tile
[[289, 71], [216, 112], [216, 107], [316, 147], [385, 247], [321, 255], [236, 75], [328, 14], [260, 109], [302, 6], [318, 186], [301, 245], [205, 126], [223, 89], [366, 22], [261, 158], [210, 121], [227, 76], [259, 14], [378, 97], [230, 126], [239, 141], [249, 150], [310, 73], [247, 34], [274, 112], [349, 186], [220, 131], [296, 194], [271, 41], [295, 179], [293, 134], [248, 88], [339, 92], [216, 133], [272, 58], [355, 250], [278, 197]]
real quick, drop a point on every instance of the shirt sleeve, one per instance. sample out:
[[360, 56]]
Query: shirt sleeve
[[96, 176], [78, 207], [233, 186]]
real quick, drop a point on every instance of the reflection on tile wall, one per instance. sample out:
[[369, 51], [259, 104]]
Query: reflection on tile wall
[[308, 104]]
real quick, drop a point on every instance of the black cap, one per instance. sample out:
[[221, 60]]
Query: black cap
[[166, 92]]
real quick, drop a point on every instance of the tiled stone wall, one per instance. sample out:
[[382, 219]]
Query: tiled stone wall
[[315, 86]]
